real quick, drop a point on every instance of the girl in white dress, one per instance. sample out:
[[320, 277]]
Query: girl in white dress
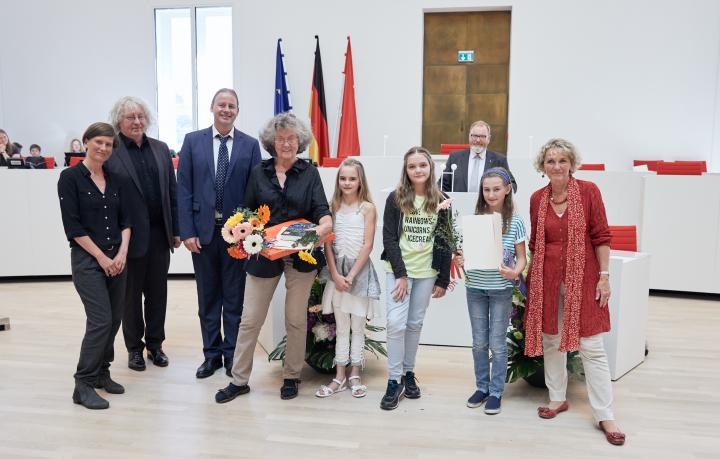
[[352, 289]]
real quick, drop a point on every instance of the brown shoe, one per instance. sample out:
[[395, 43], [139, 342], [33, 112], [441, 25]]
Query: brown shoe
[[546, 412], [614, 438]]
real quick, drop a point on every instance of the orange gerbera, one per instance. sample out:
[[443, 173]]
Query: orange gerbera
[[263, 213], [256, 224], [237, 252]]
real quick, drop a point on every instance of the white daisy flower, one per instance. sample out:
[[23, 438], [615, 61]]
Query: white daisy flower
[[253, 244]]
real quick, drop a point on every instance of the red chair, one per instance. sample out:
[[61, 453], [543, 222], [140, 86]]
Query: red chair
[[678, 169], [447, 148], [624, 238], [701, 164], [49, 162], [74, 161], [175, 161], [651, 164], [592, 167], [331, 162]]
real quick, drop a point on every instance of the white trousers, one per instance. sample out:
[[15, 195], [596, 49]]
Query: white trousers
[[345, 350], [595, 364]]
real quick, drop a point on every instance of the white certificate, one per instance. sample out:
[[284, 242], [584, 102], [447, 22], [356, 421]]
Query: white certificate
[[482, 241]]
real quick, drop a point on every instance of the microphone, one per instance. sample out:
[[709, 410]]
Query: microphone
[[452, 177]]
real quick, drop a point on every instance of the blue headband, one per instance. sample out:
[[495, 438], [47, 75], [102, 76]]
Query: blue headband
[[501, 171]]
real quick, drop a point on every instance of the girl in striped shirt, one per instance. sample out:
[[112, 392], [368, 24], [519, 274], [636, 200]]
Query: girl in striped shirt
[[489, 292]]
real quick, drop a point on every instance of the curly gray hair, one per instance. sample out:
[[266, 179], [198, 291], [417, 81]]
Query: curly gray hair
[[285, 120], [129, 103], [562, 145]]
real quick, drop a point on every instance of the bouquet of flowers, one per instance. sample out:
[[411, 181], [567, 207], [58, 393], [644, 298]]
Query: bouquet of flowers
[[320, 344], [245, 231]]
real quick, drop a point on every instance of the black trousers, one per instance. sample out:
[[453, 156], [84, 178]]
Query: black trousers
[[221, 288], [103, 298], [147, 276]]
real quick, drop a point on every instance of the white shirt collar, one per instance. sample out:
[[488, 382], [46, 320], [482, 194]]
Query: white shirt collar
[[216, 133], [473, 155]]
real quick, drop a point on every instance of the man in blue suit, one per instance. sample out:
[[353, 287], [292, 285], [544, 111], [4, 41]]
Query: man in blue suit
[[215, 165]]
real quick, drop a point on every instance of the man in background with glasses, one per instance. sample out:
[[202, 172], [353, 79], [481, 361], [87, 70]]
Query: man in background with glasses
[[471, 163]]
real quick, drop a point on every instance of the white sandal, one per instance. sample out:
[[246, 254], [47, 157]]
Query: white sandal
[[358, 390], [326, 391]]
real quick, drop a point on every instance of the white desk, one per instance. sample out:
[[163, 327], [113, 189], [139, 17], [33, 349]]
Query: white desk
[[681, 229], [629, 285]]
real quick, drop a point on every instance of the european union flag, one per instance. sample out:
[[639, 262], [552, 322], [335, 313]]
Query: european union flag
[[282, 98]]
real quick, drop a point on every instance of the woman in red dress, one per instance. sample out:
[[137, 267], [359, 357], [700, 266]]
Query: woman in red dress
[[569, 284]]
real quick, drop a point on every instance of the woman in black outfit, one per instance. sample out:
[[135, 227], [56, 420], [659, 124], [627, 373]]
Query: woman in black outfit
[[291, 188], [94, 214]]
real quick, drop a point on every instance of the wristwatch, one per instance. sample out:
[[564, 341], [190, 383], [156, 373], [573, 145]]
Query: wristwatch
[[604, 273]]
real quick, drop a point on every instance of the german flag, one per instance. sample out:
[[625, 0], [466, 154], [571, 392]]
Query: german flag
[[320, 146]]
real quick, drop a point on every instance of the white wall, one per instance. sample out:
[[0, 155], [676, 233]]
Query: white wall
[[622, 79]]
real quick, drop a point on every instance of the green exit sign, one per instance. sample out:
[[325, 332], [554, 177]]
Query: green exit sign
[[466, 56]]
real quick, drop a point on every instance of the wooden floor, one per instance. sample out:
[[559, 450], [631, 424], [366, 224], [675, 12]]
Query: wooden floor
[[669, 406]]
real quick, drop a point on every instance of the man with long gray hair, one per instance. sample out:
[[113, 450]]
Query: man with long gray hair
[[146, 164]]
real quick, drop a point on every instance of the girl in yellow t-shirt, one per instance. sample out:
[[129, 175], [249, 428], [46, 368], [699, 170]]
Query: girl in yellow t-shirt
[[417, 267]]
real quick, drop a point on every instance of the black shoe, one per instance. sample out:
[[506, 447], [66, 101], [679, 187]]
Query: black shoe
[[136, 361], [289, 389], [86, 396], [230, 392], [158, 357], [110, 386], [411, 388], [477, 399], [208, 368], [395, 391]]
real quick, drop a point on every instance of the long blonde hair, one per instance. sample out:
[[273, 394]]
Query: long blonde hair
[[405, 194], [363, 190]]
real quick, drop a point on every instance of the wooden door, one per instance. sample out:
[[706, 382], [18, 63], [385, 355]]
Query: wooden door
[[457, 94]]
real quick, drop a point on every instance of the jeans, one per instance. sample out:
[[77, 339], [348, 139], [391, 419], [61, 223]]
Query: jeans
[[404, 323], [489, 319]]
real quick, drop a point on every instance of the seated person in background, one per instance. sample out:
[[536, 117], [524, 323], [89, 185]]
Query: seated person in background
[[7, 149], [35, 160], [76, 146], [473, 162], [18, 149]]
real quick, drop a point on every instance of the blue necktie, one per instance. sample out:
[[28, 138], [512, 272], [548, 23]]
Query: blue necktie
[[222, 166]]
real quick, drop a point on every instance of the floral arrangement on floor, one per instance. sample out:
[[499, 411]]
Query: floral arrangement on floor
[[245, 232], [320, 345], [520, 365]]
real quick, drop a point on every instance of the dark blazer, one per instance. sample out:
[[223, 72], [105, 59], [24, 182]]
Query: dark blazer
[[121, 164], [196, 181], [462, 158]]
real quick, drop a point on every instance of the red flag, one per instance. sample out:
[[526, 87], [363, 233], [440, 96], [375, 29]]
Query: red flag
[[348, 141], [320, 146]]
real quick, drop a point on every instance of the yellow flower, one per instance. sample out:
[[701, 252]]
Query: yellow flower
[[518, 334], [306, 257], [233, 221]]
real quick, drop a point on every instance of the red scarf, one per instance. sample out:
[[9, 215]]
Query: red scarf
[[574, 272]]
